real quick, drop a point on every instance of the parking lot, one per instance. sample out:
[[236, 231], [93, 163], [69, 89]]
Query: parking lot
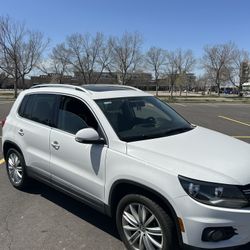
[[43, 218]]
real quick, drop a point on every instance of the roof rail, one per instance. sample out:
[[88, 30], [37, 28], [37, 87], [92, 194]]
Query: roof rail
[[54, 85], [80, 88], [87, 87], [131, 87]]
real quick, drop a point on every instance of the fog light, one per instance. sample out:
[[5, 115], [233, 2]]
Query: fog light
[[215, 234]]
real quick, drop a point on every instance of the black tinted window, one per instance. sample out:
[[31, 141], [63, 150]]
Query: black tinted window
[[26, 106], [23, 105], [42, 110], [74, 115], [141, 118], [39, 108]]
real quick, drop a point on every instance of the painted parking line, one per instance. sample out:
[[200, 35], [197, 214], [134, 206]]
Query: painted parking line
[[181, 104], [2, 161], [233, 120]]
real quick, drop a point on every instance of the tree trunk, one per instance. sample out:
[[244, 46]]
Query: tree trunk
[[23, 82], [218, 83], [16, 83], [218, 86], [180, 91], [172, 89], [156, 88], [240, 89], [15, 87]]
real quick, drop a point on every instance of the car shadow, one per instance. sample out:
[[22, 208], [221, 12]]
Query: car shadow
[[75, 207], [85, 212]]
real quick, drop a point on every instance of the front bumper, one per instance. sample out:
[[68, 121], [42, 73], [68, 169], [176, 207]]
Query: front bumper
[[197, 216], [242, 247]]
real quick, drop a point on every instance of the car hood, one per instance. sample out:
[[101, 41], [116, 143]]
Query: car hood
[[199, 154]]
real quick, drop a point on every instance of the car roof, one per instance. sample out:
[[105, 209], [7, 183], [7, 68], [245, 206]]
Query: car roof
[[94, 91]]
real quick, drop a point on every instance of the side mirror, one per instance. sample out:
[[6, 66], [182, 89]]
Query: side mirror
[[88, 136]]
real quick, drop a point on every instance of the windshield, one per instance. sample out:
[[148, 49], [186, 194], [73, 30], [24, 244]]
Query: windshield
[[140, 118]]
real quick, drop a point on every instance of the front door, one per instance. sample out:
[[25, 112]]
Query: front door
[[77, 167]]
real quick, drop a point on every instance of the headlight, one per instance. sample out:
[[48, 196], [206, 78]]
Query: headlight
[[214, 194]]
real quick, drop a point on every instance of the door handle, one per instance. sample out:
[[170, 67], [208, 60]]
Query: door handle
[[55, 145], [20, 132]]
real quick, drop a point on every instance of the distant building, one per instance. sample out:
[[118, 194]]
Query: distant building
[[188, 82], [7, 82], [50, 78], [138, 79], [98, 77]]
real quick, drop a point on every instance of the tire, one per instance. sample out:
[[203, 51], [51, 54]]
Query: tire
[[16, 169], [143, 224]]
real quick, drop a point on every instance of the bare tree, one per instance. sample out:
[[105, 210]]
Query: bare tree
[[88, 55], [234, 72], [185, 63], [59, 62], [171, 70], [179, 64], [216, 61], [126, 55], [20, 49], [30, 54], [203, 83], [155, 60], [11, 34]]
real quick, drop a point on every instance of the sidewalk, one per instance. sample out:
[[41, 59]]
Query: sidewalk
[[199, 98], [206, 99]]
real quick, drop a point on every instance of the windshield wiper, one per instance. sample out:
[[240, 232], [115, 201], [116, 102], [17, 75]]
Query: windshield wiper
[[153, 136], [178, 130], [140, 137]]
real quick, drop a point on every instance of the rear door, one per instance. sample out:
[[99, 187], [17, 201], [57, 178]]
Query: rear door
[[77, 167], [35, 119]]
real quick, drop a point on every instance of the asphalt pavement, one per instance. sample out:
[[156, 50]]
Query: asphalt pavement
[[229, 119], [42, 218]]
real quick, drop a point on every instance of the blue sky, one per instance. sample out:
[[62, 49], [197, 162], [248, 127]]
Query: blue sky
[[187, 24]]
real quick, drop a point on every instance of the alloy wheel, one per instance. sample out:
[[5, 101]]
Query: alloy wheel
[[15, 168], [141, 227]]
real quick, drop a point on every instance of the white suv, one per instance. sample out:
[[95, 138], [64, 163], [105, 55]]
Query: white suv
[[131, 156]]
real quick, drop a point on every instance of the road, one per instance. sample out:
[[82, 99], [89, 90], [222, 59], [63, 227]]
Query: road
[[230, 119], [43, 218]]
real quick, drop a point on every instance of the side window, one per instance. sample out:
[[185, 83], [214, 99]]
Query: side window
[[42, 110], [74, 115], [26, 106], [23, 105], [38, 107]]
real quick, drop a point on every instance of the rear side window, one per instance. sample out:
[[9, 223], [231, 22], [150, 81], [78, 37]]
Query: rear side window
[[39, 108], [23, 105]]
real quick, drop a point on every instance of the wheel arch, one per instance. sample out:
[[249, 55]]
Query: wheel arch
[[120, 188], [9, 144]]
